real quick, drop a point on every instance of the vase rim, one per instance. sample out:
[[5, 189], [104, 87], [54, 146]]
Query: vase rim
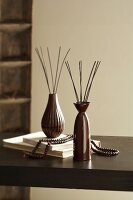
[[52, 93], [77, 103]]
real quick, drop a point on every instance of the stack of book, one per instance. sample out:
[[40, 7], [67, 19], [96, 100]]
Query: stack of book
[[29, 141]]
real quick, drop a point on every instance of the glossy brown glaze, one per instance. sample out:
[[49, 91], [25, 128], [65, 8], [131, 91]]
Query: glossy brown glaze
[[53, 120], [82, 134]]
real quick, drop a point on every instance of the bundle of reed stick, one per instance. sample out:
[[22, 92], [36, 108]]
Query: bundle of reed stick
[[54, 82], [80, 98]]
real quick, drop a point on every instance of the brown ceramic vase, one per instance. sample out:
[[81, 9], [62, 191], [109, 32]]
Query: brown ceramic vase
[[53, 120], [82, 142]]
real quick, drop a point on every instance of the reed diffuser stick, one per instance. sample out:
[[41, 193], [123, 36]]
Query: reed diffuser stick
[[80, 75], [89, 81], [57, 68], [69, 70], [44, 68], [61, 70], [55, 81], [44, 63], [95, 70], [51, 69]]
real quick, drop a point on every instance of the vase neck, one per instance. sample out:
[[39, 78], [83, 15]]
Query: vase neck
[[52, 94], [82, 107], [52, 98]]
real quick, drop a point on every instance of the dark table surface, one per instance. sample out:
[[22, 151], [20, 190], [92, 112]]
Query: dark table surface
[[101, 173]]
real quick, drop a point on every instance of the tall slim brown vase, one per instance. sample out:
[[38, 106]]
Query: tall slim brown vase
[[82, 141], [53, 120]]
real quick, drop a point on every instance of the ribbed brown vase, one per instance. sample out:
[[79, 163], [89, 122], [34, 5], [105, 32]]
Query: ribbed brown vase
[[53, 120], [82, 142]]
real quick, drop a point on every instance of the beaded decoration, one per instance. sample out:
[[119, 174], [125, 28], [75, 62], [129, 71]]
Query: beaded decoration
[[103, 151], [108, 152]]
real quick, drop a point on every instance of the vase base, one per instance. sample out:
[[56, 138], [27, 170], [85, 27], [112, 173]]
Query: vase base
[[81, 159]]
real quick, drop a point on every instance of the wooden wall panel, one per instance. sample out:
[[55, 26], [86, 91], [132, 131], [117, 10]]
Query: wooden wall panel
[[15, 81], [14, 117], [15, 76], [15, 45], [16, 11]]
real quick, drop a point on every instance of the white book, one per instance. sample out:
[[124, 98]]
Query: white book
[[18, 144], [34, 139]]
